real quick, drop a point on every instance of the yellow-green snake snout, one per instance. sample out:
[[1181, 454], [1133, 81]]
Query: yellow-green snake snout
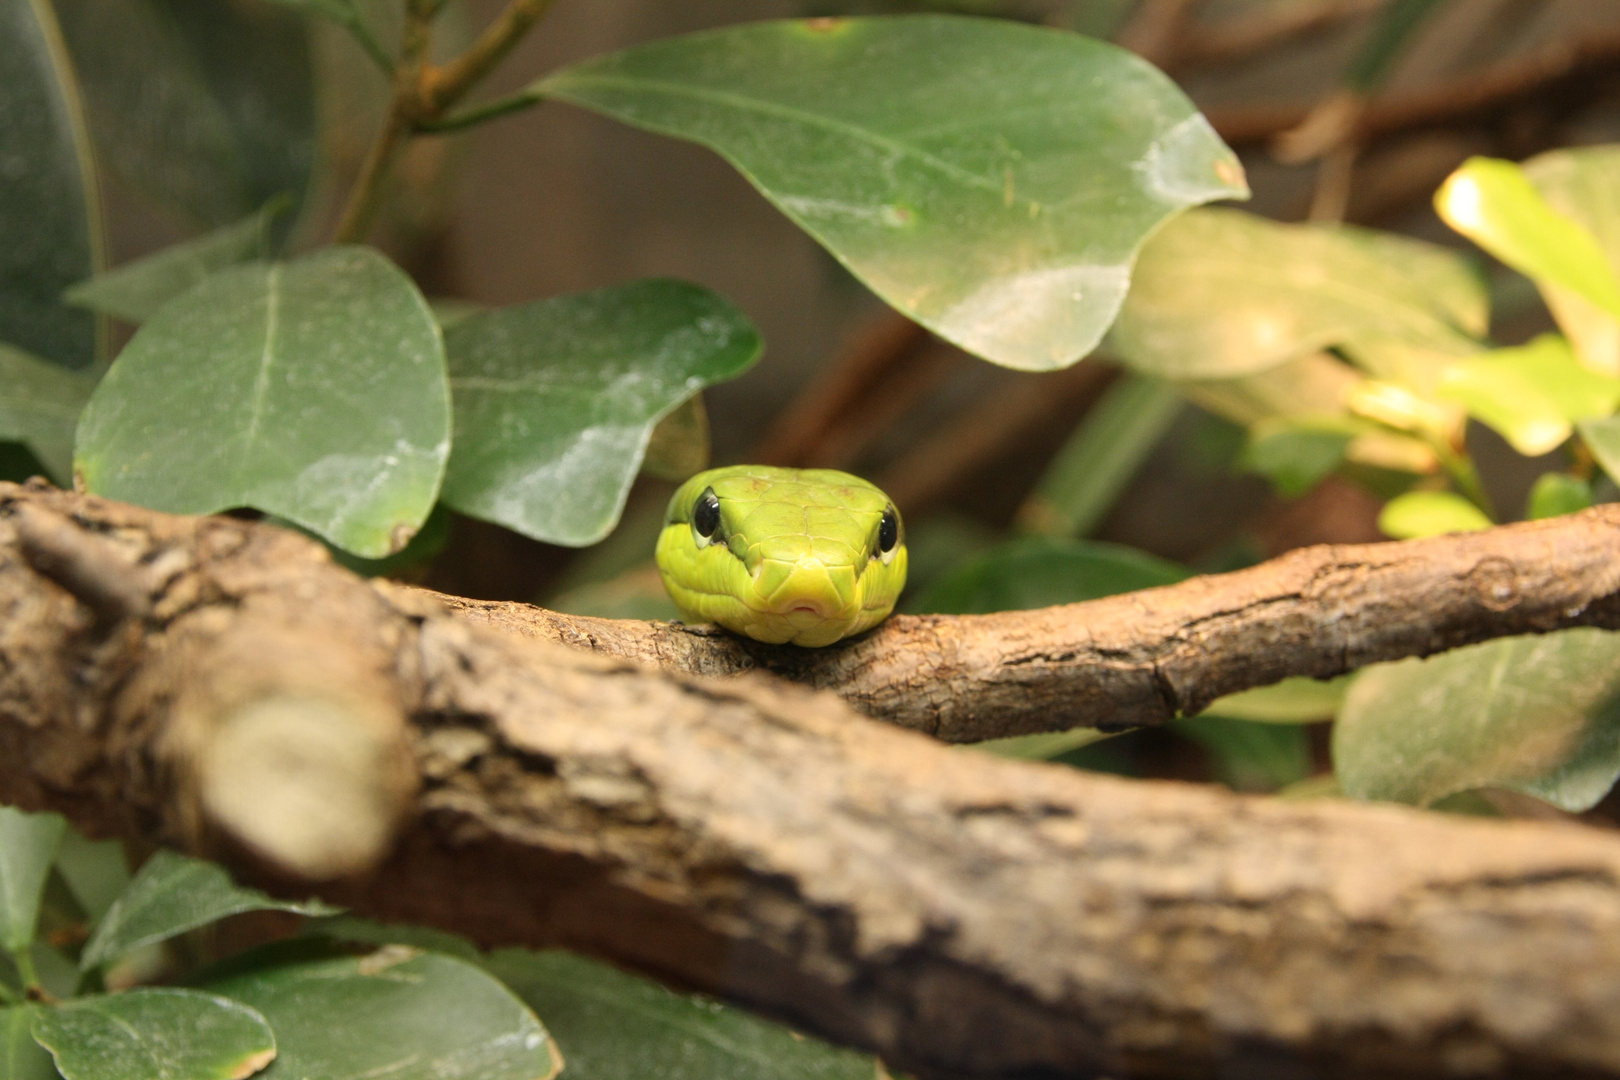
[[800, 556]]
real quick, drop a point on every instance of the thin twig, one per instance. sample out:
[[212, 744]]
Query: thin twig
[[479, 114], [444, 86]]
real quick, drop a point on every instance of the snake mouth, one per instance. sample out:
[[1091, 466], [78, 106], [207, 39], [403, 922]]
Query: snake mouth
[[809, 607]]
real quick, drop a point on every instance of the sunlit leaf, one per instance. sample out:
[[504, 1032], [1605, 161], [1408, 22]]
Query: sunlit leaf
[[28, 843], [173, 894], [207, 107], [157, 1033], [314, 389], [39, 407], [50, 219], [136, 290], [1557, 494], [1040, 571], [1530, 394], [1494, 204], [990, 179], [398, 1013], [21, 1058], [555, 400], [1430, 513], [614, 1026], [1538, 714], [1579, 182], [1220, 293]]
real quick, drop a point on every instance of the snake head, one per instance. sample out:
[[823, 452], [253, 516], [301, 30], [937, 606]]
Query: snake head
[[800, 556]]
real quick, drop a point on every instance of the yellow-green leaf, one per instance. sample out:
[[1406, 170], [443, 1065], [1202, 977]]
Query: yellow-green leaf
[[1531, 394], [1494, 204], [1430, 513]]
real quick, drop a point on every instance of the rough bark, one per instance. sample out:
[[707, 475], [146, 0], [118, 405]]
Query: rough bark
[[1144, 657], [960, 914]]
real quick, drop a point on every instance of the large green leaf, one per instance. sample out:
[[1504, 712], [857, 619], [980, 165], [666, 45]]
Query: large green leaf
[[136, 290], [1494, 204], [39, 407], [21, 1058], [173, 894], [399, 1013], [314, 389], [50, 221], [1531, 393], [28, 843], [613, 1026], [1536, 714], [1221, 293], [555, 400], [158, 1033], [208, 107], [1039, 571], [990, 179]]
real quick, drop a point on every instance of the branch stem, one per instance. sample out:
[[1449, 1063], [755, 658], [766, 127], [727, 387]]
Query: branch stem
[[446, 85], [480, 114]]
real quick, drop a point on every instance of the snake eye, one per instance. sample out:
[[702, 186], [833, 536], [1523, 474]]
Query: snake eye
[[888, 534], [706, 517]]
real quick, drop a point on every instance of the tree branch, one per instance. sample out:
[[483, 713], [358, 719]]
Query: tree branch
[[1143, 658], [960, 914]]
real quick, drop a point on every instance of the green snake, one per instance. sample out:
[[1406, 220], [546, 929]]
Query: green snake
[[800, 556]]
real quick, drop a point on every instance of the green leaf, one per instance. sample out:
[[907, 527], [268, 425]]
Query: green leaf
[[1602, 437], [399, 1013], [348, 16], [990, 179], [1531, 393], [613, 1026], [1580, 183], [1043, 746], [1556, 494], [207, 107], [50, 228], [1298, 452], [1537, 714], [1494, 204], [21, 1058], [156, 1033], [173, 894], [1292, 701], [135, 291], [1250, 755], [314, 389], [95, 871], [40, 405], [1092, 469], [1430, 513], [555, 400], [1220, 293], [1039, 571], [28, 843]]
